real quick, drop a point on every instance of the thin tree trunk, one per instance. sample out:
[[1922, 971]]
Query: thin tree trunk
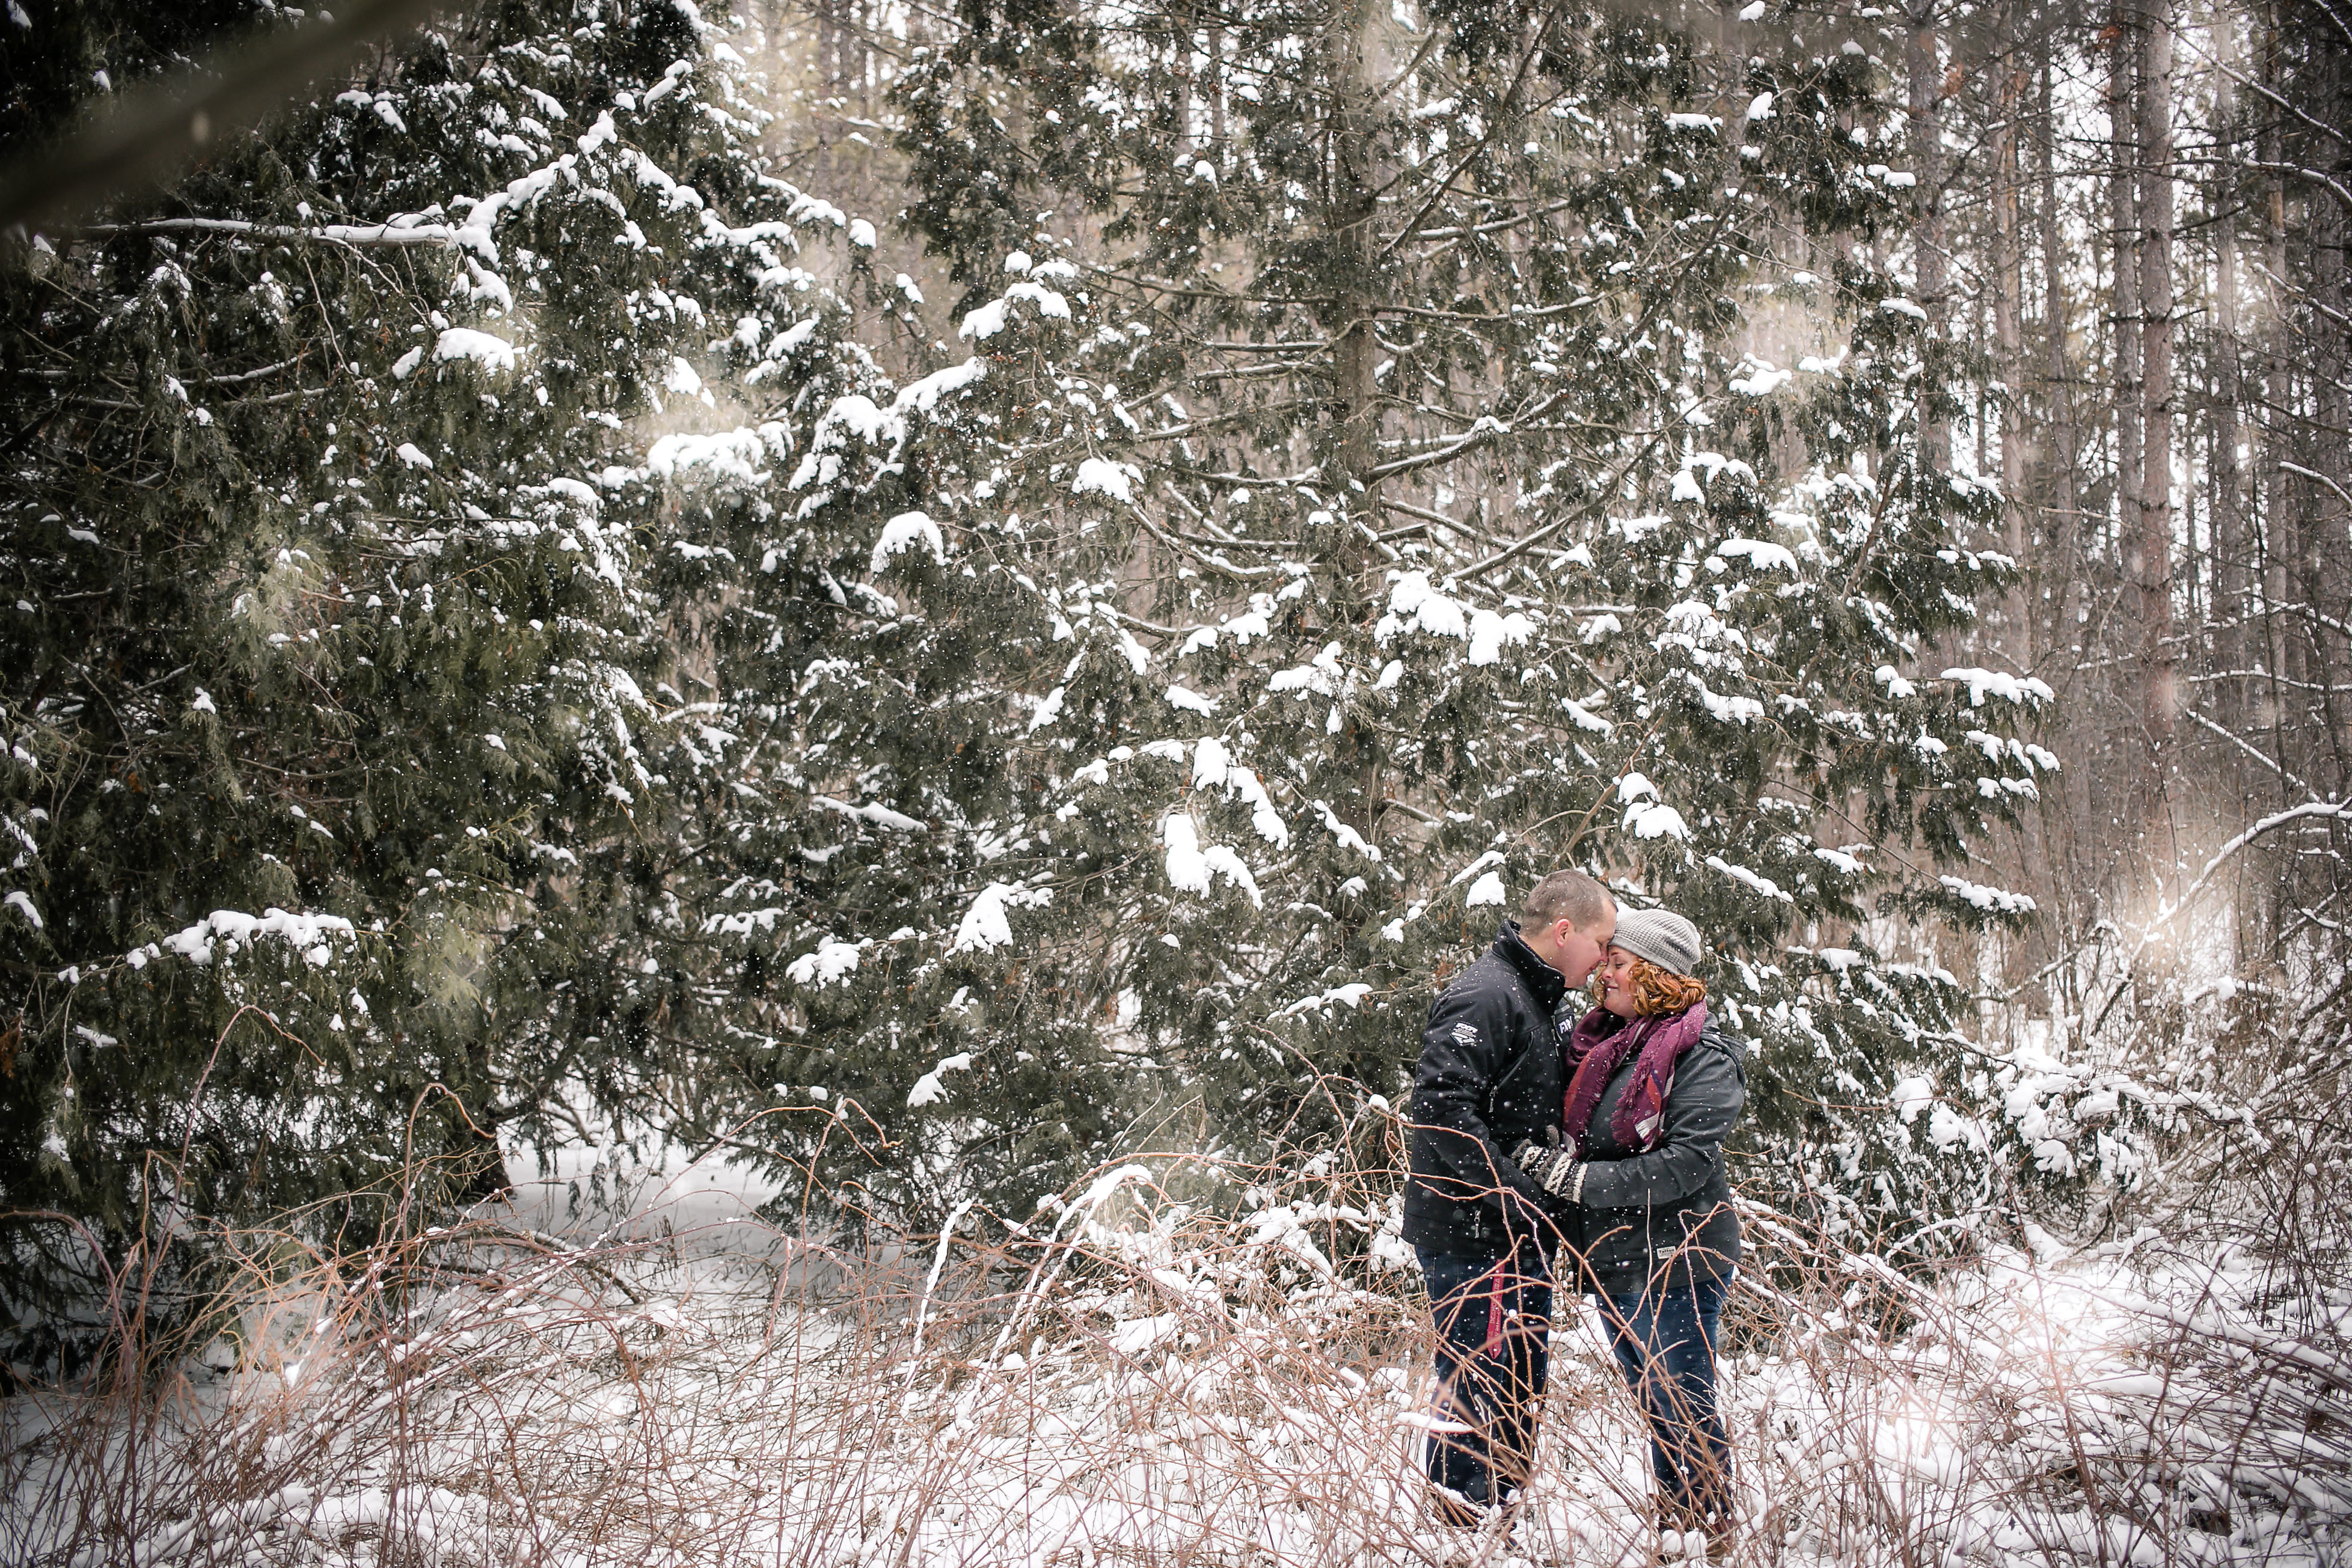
[[2277, 532], [1216, 87], [1354, 205], [2229, 599], [2122, 218], [2063, 492], [2323, 533], [1924, 119], [2009, 343], [2159, 673], [1181, 57]]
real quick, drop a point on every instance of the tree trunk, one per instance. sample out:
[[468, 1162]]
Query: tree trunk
[[2122, 218], [2322, 558], [1216, 89], [2277, 532], [2230, 607], [1924, 119], [2009, 344], [2152, 531], [2063, 492], [1354, 204]]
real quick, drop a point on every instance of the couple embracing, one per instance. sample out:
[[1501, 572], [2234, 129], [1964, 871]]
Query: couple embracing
[[1561, 1146]]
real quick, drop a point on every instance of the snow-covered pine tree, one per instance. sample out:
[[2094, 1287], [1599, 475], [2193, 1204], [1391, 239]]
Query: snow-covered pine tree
[[1401, 451], [341, 778]]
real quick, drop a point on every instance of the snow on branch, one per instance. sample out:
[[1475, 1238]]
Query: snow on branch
[[2310, 810], [396, 232], [2025, 690], [226, 932]]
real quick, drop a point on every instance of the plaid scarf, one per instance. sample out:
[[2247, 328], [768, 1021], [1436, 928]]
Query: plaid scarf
[[1596, 1047]]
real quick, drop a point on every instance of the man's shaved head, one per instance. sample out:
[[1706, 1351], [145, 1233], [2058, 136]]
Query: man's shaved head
[[1570, 896]]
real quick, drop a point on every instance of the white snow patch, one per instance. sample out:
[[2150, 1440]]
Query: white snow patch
[[1190, 701], [2026, 691], [1491, 857], [878, 814], [833, 962], [1100, 476], [1489, 633], [730, 454], [1416, 604], [993, 317], [230, 931], [904, 533], [1347, 836], [683, 379], [466, 343], [1048, 709], [1762, 554], [1993, 900], [1191, 865], [1652, 819], [984, 924], [1213, 765], [1763, 885], [928, 1087]]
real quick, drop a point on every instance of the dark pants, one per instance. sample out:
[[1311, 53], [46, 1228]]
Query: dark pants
[[1494, 1352], [1664, 1338]]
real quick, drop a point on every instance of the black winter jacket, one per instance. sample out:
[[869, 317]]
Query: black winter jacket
[[1672, 1205], [1489, 1080]]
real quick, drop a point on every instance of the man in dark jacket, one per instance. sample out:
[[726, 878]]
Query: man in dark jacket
[[1488, 1082]]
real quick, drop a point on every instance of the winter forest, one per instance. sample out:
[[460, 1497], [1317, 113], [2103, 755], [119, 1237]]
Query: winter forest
[[741, 744]]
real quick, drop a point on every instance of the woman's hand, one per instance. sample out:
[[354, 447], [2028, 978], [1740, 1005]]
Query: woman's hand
[[1553, 1170]]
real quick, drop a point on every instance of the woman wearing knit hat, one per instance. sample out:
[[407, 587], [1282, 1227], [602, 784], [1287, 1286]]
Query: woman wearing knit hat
[[1652, 1088]]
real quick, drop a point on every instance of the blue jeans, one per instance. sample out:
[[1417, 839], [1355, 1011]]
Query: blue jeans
[[1664, 1338], [1494, 1352]]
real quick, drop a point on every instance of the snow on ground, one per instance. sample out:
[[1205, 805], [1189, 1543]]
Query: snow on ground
[[627, 1367]]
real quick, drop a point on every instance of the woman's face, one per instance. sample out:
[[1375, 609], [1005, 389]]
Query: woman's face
[[1616, 977]]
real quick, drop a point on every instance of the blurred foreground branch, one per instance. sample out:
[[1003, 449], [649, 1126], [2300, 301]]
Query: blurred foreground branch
[[140, 138]]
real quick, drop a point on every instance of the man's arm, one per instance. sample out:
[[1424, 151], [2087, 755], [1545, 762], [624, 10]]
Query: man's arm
[[1463, 1048]]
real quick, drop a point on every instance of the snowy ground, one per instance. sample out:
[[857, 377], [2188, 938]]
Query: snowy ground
[[656, 1378]]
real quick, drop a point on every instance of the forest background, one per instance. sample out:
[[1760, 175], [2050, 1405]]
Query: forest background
[[940, 604]]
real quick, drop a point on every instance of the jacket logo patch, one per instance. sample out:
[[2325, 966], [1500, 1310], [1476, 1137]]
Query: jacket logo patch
[[1466, 1034]]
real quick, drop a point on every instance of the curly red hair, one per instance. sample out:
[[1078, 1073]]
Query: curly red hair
[[1656, 992]]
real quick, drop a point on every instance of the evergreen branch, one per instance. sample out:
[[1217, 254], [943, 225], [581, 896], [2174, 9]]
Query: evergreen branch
[[1428, 517], [1601, 498], [1137, 280], [1485, 430], [1427, 312], [1253, 372], [1214, 562], [1226, 421], [352, 236], [1495, 226], [1501, 116]]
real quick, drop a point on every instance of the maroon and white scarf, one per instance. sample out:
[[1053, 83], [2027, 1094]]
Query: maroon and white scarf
[[1598, 1046]]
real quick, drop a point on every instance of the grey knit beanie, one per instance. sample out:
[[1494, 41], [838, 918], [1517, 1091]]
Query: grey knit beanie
[[1662, 936]]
